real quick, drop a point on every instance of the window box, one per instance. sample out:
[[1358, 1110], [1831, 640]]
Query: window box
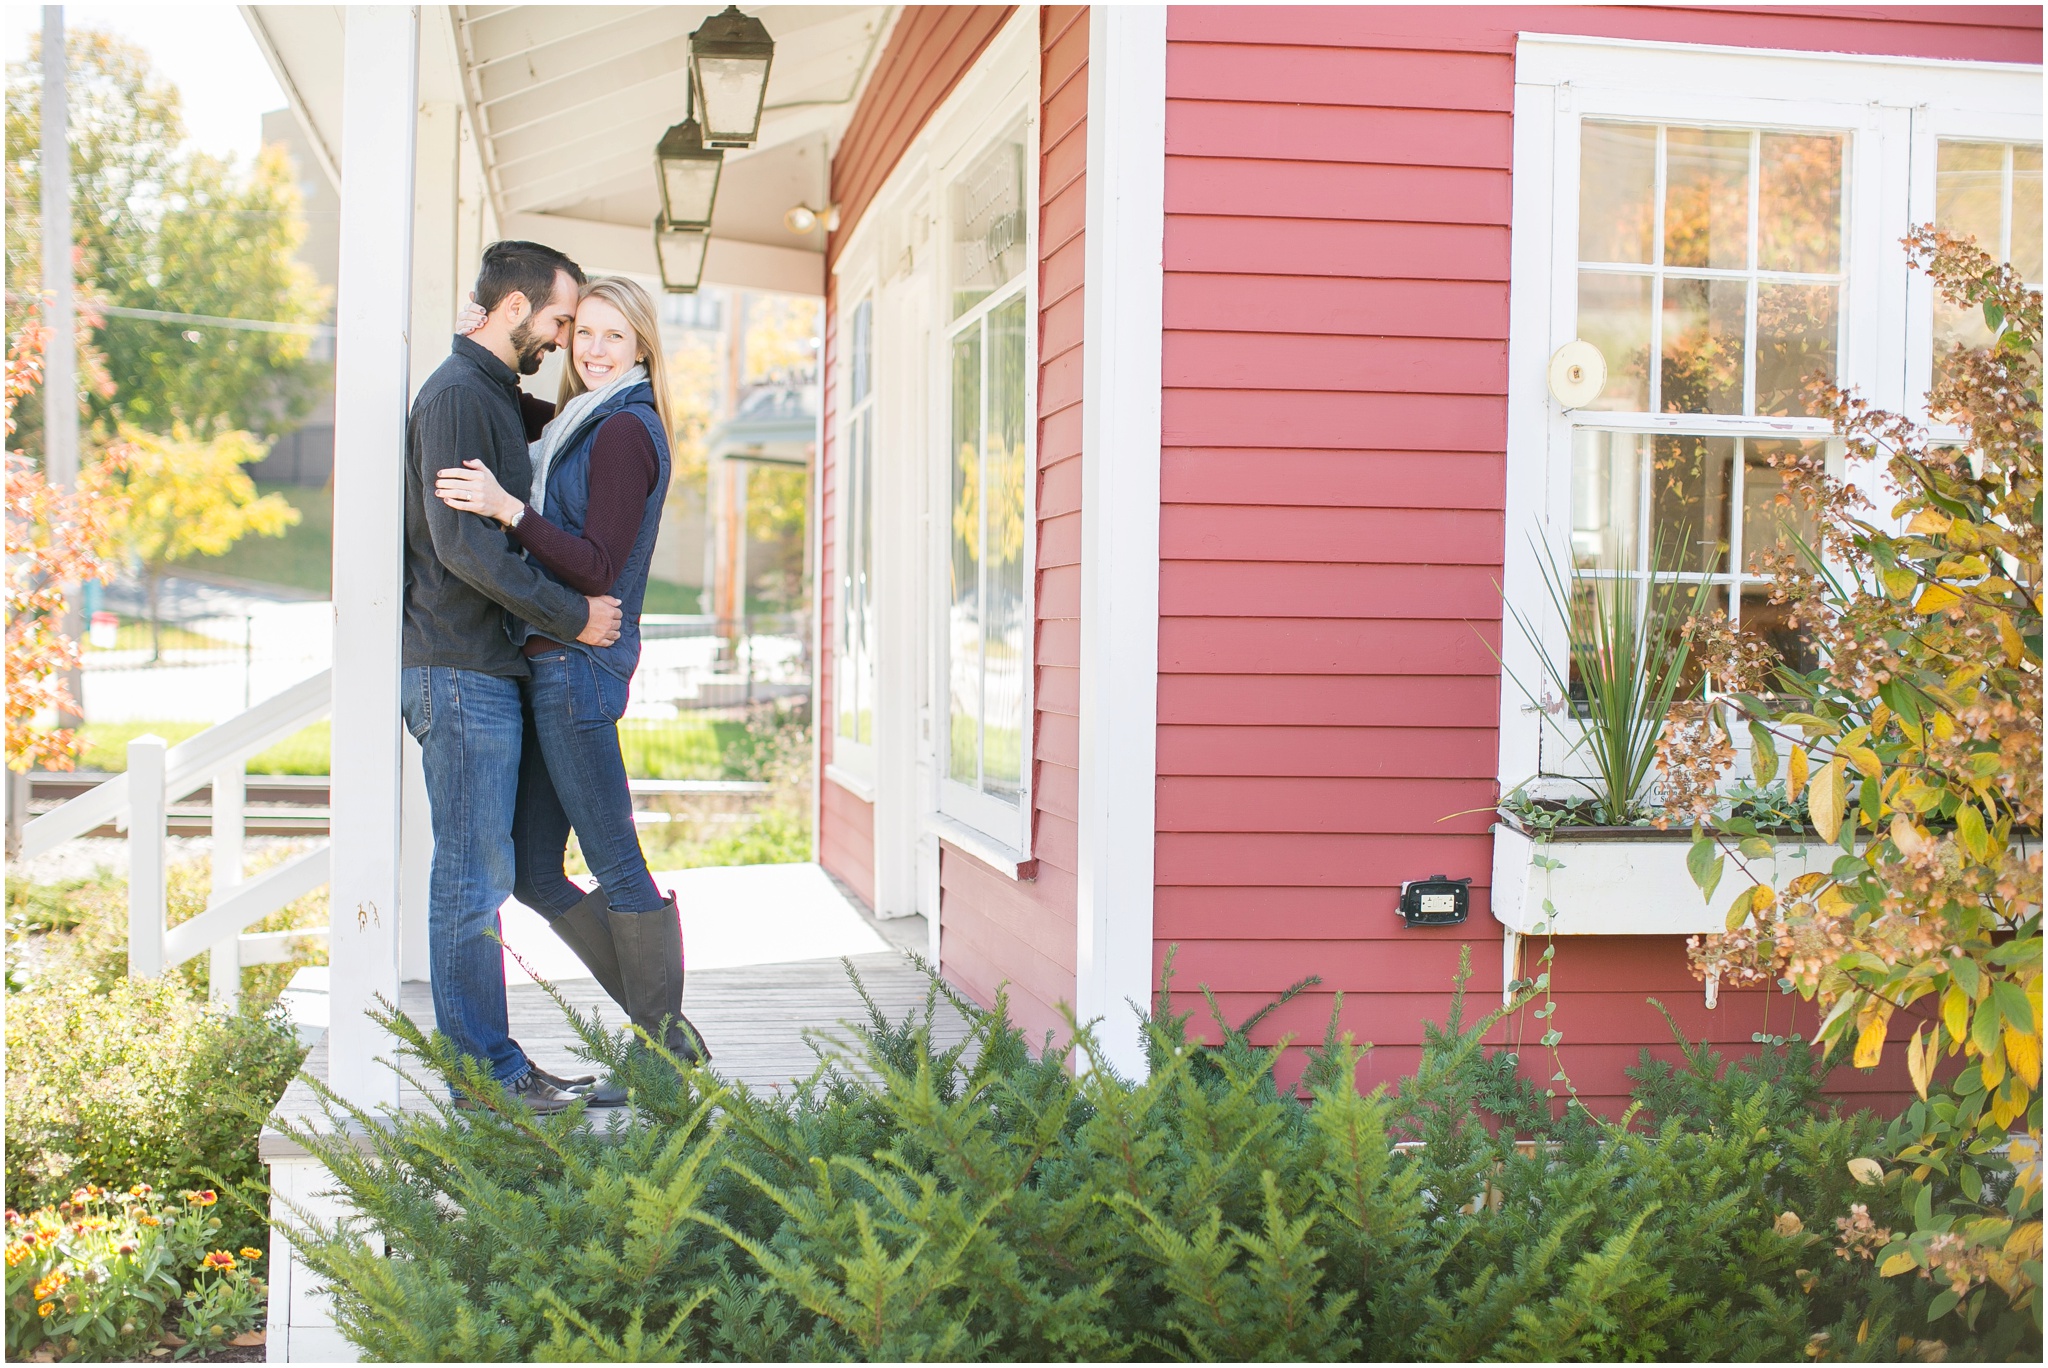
[[1620, 881]]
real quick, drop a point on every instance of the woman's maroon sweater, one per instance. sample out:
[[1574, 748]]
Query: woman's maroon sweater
[[623, 468]]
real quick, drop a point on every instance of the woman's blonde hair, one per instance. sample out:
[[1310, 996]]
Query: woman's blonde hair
[[632, 301]]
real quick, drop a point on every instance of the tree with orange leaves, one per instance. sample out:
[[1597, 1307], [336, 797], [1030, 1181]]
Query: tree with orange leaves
[[54, 538]]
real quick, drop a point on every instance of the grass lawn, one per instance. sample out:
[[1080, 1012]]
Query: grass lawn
[[303, 558], [687, 748]]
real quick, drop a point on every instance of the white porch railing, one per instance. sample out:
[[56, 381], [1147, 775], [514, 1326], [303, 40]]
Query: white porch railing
[[159, 774]]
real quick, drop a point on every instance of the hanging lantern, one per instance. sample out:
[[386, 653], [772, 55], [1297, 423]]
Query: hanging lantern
[[680, 254], [689, 175], [729, 58]]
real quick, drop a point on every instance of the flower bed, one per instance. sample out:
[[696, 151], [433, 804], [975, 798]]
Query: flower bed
[[102, 1274]]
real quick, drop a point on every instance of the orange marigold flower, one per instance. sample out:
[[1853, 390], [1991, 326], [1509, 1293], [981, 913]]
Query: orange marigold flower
[[149, 1220], [205, 1197], [220, 1260], [17, 1254], [248, 1253], [79, 1196], [47, 1309], [52, 1285]]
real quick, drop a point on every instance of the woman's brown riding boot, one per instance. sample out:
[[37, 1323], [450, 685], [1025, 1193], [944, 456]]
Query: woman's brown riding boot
[[649, 947]]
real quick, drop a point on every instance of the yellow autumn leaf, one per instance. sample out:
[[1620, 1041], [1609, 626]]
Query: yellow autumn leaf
[[1895, 1265], [1824, 802], [1899, 582], [1916, 1064], [1936, 597], [2023, 1052], [1865, 760], [2008, 637], [1870, 1039], [1929, 522], [1805, 883], [1907, 836], [1955, 1012], [1795, 773], [1835, 902], [1765, 898]]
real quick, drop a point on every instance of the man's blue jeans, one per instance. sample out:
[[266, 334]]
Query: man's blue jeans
[[572, 774], [468, 725]]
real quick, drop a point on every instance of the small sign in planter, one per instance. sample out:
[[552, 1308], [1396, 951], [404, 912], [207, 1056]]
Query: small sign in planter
[[1620, 881]]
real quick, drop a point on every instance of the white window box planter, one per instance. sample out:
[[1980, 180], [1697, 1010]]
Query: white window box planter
[[1621, 881]]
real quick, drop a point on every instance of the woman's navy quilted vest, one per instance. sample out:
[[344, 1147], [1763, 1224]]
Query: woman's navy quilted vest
[[569, 500]]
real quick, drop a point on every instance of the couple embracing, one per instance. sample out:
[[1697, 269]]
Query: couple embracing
[[529, 528]]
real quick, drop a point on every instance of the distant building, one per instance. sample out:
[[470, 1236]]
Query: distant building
[[305, 456]]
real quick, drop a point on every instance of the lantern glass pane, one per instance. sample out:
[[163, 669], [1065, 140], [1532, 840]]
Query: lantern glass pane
[[731, 89], [688, 187], [682, 258]]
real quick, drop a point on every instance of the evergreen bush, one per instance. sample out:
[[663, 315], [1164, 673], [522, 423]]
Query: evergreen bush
[[987, 1202]]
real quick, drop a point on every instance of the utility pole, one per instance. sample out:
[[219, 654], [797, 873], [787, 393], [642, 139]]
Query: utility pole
[[60, 359]]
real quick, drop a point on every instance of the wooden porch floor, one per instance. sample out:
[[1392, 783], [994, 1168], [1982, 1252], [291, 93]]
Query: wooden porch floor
[[759, 1018]]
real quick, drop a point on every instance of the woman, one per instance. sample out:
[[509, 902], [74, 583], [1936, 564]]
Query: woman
[[601, 469]]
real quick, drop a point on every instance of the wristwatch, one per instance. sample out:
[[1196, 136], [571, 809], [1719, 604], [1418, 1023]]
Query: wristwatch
[[516, 516]]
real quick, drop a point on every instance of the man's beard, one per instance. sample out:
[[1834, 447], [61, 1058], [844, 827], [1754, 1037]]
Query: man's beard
[[529, 347]]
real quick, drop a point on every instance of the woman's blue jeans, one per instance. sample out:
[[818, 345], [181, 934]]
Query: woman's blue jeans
[[571, 774]]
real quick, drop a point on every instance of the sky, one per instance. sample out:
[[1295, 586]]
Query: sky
[[204, 50]]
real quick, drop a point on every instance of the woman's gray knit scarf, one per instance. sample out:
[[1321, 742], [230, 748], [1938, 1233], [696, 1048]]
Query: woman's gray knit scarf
[[559, 428]]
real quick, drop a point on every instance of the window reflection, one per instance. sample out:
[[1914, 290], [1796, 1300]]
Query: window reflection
[[1726, 221]]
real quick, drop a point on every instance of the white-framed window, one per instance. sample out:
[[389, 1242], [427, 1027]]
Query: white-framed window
[[944, 262], [1724, 225], [853, 673], [985, 625]]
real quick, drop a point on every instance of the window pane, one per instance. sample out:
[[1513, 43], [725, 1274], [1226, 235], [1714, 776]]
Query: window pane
[[1702, 365], [1772, 624], [864, 588], [2026, 213], [1617, 613], [1706, 198], [1799, 202], [859, 352], [1773, 522], [1691, 486], [964, 631], [1614, 315], [1969, 191], [1607, 484], [1006, 630], [1796, 331], [1617, 191], [988, 223]]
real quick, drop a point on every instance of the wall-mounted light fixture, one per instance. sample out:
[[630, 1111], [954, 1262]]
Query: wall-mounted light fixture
[[680, 254], [729, 58], [688, 172], [804, 219]]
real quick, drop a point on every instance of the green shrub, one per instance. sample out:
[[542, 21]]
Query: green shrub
[[983, 1202], [138, 1082]]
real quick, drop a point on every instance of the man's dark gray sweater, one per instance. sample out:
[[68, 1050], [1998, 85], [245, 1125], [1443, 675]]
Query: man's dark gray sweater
[[462, 570]]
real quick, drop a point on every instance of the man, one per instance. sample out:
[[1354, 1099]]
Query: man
[[461, 670]]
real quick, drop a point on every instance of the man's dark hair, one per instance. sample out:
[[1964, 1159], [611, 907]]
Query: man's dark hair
[[527, 267]]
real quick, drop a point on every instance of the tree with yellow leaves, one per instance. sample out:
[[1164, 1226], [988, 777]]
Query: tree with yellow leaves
[[186, 498], [1916, 745]]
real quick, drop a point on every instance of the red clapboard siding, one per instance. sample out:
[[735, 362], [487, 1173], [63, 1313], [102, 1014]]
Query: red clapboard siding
[[1336, 312], [996, 930]]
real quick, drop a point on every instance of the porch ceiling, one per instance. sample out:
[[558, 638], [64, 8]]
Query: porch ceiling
[[568, 101]]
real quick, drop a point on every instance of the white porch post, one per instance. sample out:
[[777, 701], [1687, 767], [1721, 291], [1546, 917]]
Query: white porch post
[[1120, 439], [373, 315]]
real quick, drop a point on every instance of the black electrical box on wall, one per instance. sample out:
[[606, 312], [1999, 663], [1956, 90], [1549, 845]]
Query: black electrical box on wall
[[1436, 901]]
